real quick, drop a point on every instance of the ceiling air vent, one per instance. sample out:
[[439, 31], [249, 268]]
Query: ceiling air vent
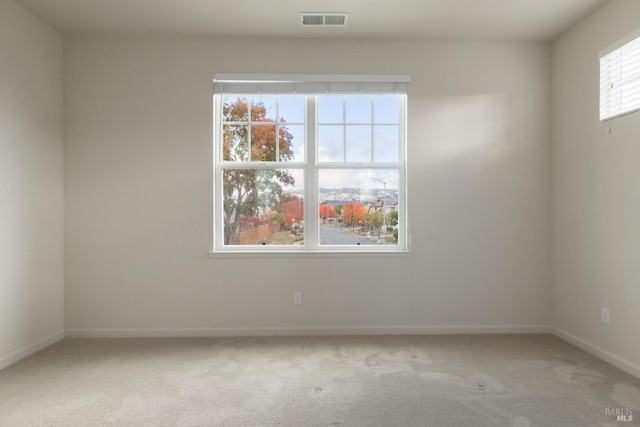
[[323, 19]]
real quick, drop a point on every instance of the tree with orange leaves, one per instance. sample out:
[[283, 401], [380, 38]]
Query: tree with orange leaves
[[327, 211], [293, 210], [353, 213]]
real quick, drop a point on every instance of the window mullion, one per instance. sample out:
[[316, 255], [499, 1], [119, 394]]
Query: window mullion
[[311, 230], [373, 135], [344, 129], [217, 173], [277, 128], [403, 221]]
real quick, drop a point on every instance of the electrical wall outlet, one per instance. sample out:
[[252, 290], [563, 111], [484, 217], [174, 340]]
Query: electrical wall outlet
[[297, 297], [604, 315]]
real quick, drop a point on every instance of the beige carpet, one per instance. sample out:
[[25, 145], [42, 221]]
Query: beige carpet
[[478, 380]]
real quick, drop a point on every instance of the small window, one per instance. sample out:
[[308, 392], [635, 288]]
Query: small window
[[620, 80], [310, 163]]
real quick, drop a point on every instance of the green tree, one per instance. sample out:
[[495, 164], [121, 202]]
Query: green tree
[[247, 190], [393, 218], [374, 221]]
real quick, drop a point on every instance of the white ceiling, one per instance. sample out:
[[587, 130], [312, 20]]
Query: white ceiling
[[508, 20]]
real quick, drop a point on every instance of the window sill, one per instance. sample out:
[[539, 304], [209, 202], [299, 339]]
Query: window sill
[[311, 254]]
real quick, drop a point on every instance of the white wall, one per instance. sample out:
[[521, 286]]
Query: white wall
[[31, 184], [595, 195], [138, 161]]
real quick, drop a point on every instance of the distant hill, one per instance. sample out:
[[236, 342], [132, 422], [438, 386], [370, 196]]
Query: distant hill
[[342, 195]]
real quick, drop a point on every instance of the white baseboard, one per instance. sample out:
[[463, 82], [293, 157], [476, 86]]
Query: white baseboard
[[598, 352], [29, 350], [316, 331]]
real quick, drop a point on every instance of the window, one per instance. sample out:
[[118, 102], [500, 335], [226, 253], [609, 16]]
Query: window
[[310, 163], [620, 80]]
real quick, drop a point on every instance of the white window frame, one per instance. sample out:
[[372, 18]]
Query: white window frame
[[620, 78], [310, 86]]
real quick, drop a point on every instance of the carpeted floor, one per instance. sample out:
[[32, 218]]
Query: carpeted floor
[[470, 380]]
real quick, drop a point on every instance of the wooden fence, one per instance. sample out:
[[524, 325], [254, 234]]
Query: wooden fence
[[253, 236]]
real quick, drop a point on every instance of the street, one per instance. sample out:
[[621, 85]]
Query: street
[[337, 236]]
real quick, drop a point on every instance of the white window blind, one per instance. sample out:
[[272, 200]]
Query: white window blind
[[620, 81]]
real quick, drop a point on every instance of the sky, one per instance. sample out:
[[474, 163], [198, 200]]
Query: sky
[[352, 128], [364, 179]]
